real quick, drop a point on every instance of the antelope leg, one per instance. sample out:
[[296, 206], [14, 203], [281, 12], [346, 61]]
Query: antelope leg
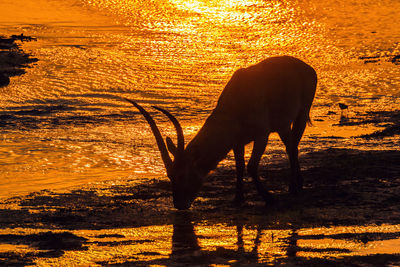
[[296, 181], [252, 167], [240, 165]]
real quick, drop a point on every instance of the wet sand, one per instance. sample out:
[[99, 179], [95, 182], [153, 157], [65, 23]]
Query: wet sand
[[350, 198]]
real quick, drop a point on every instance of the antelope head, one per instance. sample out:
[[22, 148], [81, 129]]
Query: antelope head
[[185, 178]]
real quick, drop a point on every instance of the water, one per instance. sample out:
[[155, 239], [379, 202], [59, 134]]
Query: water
[[226, 244], [67, 125]]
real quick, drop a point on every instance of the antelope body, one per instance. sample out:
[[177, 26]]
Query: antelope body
[[274, 95]]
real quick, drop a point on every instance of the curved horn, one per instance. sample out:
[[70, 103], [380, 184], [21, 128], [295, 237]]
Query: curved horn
[[160, 142], [178, 128]]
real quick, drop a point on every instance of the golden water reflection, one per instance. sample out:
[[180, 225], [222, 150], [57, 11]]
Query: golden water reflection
[[201, 242], [65, 123]]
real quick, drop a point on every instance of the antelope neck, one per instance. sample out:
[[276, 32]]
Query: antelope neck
[[211, 144]]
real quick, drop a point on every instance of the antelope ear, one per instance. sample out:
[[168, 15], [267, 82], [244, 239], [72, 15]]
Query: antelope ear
[[171, 146]]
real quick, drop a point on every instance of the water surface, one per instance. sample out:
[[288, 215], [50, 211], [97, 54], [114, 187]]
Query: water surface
[[64, 123]]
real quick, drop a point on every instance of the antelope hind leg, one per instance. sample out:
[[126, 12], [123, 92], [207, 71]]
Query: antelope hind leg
[[296, 181]]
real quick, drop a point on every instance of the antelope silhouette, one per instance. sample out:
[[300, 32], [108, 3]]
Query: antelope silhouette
[[274, 95]]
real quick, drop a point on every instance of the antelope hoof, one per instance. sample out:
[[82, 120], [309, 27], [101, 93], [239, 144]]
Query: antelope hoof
[[295, 190], [238, 200], [268, 198]]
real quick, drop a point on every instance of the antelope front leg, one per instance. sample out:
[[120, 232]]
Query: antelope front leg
[[252, 167], [238, 151]]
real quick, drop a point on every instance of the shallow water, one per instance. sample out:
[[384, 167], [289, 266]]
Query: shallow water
[[64, 123], [219, 244]]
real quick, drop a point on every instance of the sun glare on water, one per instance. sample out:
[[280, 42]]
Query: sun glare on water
[[65, 128]]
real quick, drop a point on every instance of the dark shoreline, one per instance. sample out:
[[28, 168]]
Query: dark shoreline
[[343, 187]]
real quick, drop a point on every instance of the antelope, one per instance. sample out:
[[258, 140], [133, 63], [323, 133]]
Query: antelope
[[274, 95]]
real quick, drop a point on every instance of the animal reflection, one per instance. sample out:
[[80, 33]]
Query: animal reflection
[[185, 245], [280, 249]]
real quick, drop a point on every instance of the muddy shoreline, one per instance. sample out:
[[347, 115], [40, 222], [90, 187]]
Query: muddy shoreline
[[343, 187]]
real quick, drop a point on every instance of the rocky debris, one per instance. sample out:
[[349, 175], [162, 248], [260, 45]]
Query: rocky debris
[[395, 59], [4, 80], [13, 60]]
